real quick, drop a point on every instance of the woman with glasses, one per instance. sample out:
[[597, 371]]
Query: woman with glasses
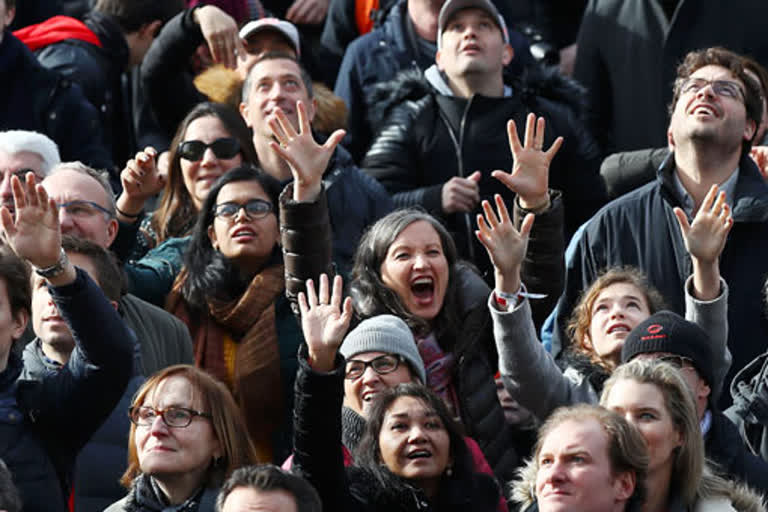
[[186, 438], [654, 396], [231, 292], [409, 454], [210, 140]]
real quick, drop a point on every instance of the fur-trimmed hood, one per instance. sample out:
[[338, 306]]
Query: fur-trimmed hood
[[536, 82]]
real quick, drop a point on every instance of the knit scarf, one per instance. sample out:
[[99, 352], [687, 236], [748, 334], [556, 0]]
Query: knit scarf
[[250, 321], [146, 496]]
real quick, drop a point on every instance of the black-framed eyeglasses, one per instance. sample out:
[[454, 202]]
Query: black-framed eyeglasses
[[382, 365], [680, 362], [224, 148], [174, 417], [254, 208], [723, 88], [83, 209]]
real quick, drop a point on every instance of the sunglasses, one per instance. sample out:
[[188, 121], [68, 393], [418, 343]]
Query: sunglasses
[[224, 148]]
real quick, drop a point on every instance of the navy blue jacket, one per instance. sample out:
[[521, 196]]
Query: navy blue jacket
[[640, 229], [35, 98], [46, 420], [380, 55]]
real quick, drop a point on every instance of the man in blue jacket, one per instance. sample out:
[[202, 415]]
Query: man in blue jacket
[[44, 422]]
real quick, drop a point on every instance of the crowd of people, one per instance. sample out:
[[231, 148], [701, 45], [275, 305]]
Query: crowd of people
[[402, 255]]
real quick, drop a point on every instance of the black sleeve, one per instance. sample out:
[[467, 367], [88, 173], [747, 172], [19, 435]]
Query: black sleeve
[[340, 28], [164, 73]]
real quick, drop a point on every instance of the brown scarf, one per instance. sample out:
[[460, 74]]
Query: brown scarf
[[250, 321]]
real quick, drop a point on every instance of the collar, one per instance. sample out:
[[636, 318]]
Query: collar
[[438, 80], [728, 186]]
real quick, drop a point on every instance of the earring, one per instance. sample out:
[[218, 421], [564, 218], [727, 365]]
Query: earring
[[449, 471]]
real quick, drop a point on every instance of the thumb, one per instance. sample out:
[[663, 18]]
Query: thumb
[[682, 220], [525, 227], [475, 176]]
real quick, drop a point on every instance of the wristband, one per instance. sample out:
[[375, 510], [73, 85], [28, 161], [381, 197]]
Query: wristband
[[509, 301], [129, 215], [54, 270]]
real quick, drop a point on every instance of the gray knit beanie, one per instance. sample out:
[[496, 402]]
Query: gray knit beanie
[[388, 334]]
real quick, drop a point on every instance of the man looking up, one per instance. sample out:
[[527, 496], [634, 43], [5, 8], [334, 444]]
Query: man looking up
[[446, 130], [714, 115], [22, 151]]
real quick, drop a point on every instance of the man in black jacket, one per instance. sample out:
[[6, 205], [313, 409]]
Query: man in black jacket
[[714, 116], [445, 131]]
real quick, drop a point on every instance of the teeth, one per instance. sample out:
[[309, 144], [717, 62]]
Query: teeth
[[618, 328], [423, 280]]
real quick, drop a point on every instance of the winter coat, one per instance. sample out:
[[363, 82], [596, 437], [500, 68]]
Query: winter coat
[[380, 55], [749, 411], [624, 172], [99, 70], [103, 460], [317, 435], [142, 497], [41, 100], [629, 52], [640, 229], [47, 419], [525, 364], [724, 446], [429, 137]]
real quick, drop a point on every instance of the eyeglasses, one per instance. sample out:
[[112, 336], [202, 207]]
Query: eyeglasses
[[84, 209], [254, 208], [680, 362], [723, 88], [224, 148], [174, 417], [382, 365]]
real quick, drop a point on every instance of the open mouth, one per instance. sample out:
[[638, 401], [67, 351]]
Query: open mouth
[[419, 454], [704, 110], [243, 233], [423, 288], [619, 328]]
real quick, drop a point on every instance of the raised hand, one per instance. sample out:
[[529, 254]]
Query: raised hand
[[505, 245], [529, 178], [141, 180], [34, 234], [324, 321], [461, 194], [705, 239], [220, 33], [306, 158], [760, 155]]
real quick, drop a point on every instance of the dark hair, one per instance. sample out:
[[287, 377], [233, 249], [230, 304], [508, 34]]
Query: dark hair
[[207, 272], [10, 4], [248, 84], [368, 453], [733, 62], [268, 477], [176, 211], [132, 14], [108, 274], [16, 274], [372, 297]]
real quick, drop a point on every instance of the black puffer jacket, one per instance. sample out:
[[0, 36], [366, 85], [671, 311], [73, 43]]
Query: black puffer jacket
[[427, 138]]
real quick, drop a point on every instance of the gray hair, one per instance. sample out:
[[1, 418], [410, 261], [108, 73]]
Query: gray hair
[[100, 176], [16, 141]]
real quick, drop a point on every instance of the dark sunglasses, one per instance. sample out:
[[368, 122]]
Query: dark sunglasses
[[193, 150]]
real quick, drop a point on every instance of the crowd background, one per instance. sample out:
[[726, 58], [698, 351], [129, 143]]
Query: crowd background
[[423, 254]]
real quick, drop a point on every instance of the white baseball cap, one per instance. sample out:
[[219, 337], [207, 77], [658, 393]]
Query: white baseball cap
[[286, 28]]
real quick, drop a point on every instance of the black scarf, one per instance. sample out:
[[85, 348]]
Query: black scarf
[[352, 428], [146, 496]]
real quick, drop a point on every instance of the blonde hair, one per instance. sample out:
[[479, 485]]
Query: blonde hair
[[228, 425]]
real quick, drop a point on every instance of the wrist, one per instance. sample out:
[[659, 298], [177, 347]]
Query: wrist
[[129, 206], [508, 282], [534, 204], [321, 361], [306, 193]]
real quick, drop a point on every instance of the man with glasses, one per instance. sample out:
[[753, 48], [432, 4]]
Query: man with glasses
[[87, 210], [668, 337], [714, 115]]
